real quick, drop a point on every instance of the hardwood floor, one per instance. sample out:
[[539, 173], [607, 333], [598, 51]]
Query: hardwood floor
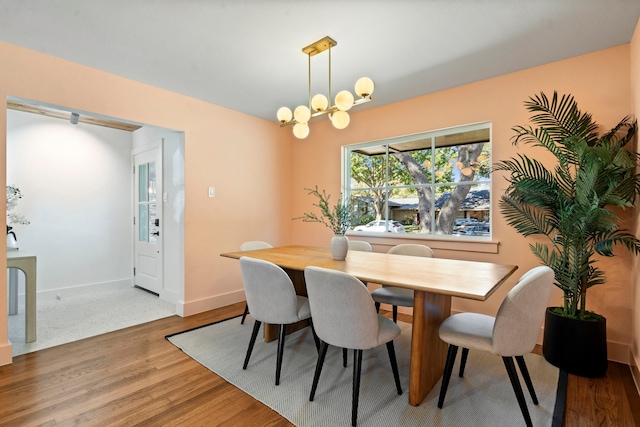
[[136, 377]]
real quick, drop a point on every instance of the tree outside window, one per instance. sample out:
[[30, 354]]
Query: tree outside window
[[429, 183]]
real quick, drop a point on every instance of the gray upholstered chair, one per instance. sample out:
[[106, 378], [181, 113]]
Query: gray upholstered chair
[[344, 316], [272, 299], [252, 246], [399, 296], [360, 245], [512, 333]]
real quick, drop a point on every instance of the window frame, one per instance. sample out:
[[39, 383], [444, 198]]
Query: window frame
[[347, 151]]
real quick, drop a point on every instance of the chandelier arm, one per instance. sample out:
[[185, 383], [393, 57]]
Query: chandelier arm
[[327, 111]]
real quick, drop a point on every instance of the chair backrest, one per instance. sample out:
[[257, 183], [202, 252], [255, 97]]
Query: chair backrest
[[520, 315], [271, 296], [254, 245], [412, 250], [342, 309], [360, 245]]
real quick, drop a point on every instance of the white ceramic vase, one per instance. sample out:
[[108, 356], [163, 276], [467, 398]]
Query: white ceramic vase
[[339, 247], [12, 242]]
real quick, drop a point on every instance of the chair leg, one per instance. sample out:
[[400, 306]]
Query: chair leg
[[448, 368], [316, 375], [395, 314], [344, 357], [357, 368], [527, 378], [281, 337], [394, 365], [252, 341], [463, 361], [377, 307], [515, 383], [316, 340], [244, 315]]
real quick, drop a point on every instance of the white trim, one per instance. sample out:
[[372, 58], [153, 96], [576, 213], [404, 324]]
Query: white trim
[[435, 242], [424, 134], [209, 303]]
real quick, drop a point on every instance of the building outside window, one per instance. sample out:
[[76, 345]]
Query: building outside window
[[431, 183]]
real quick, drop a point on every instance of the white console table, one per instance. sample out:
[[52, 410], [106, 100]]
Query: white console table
[[26, 262]]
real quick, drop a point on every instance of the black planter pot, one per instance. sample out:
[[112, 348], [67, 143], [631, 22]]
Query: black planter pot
[[577, 346]]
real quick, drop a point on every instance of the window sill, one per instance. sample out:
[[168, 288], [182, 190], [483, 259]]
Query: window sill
[[454, 243]]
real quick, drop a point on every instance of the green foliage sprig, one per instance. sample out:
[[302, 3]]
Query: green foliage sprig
[[337, 218]]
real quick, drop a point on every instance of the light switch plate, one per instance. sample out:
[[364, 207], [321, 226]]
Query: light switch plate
[[212, 192]]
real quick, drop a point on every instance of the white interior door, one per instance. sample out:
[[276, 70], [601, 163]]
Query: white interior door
[[148, 217]]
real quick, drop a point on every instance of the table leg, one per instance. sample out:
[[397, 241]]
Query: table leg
[[30, 303], [428, 351], [13, 291]]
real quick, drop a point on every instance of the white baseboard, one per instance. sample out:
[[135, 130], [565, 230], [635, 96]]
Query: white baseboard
[[84, 289], [618, 352], [198, 306]]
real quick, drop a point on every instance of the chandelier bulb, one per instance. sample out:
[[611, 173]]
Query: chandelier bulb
[[344, 100], [319, 103], [301, 130], [340, 119], [364, 87], [284, 115], [302, 114]]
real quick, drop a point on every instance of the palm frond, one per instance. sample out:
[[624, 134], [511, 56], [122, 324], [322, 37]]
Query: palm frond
[[526, 219], [561, 118], [605, 240]]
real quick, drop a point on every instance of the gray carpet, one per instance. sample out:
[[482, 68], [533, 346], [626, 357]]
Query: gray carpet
[[82, 316], [484, 396]]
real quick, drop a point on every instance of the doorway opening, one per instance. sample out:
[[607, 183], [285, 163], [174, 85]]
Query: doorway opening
[[77, 191]]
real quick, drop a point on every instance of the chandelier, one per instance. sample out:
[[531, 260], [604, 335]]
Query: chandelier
[[318, 105]]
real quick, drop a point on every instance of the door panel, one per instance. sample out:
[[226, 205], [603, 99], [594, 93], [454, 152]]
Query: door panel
[[148, 213]]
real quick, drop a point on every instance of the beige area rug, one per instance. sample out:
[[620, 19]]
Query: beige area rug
[[484, 396]]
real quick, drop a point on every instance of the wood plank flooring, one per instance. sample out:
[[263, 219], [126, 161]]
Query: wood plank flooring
[[136, 377]]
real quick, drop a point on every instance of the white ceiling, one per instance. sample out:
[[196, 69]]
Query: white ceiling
[[246, 54]]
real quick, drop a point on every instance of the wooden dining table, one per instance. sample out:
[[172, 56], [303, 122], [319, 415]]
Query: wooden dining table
[[434, 281]]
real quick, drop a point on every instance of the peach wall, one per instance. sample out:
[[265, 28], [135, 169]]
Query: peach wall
[[247, 160], [635, 99], [600, 83], [259, 171]]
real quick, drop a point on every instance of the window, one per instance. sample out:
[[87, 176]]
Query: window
[[429, 183]]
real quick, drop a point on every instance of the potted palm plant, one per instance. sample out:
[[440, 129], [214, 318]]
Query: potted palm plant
[[569, 207], [337, 218]]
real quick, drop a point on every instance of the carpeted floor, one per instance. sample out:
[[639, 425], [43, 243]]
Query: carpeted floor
[[484, 396], [77, 317]]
